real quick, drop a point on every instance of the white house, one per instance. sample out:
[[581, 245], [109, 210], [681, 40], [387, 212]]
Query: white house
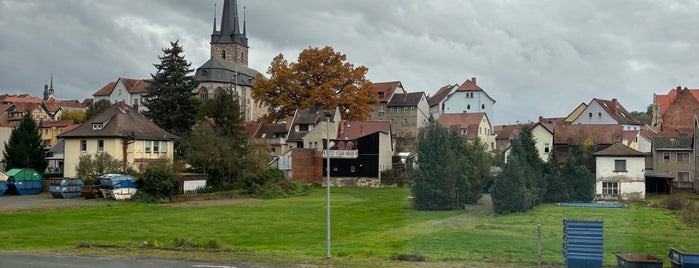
[[469, 98], [129, 91], [543, 136], [620, 173], [606, 112]]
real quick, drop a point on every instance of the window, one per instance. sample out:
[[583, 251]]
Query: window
[[96, 126], [163, 146], [135, 102], [610, 188], [619, 165], [83, 146], [393, 109], [353, 169], [381, 109], [464, 131], [405, 121], [482, 106], [223, 54], [147, 145], [468, 107], [599, 115], [100, 146], [405, 109], [546, 148], [412, 108], [682, 157], [156, 146], [590, 114], [666, 157], [380, 94], [683, 176]]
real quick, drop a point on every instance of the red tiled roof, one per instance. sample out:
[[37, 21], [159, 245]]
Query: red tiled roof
[[618, 149], [469, 85], [508, 132], [69, 128], [8, 125], [350, 130], [106, 90], [458, 121], [135, 85], [629, 135], [649, 132], [387, 88], [252, 129], [440, 95], [576, 134], [60, 123], [25, 98], [4, 107]]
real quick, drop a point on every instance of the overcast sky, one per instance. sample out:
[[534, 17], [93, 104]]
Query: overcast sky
[[533, 57]]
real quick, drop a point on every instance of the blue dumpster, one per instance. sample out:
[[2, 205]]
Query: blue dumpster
[[23, 181], [638, 260], [3, 187], [583, 243], [681, 259], [65, 187]]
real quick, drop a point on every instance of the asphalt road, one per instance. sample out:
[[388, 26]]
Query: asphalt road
[[44, 261]]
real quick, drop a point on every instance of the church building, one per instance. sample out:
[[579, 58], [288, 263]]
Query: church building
[[227, 67]]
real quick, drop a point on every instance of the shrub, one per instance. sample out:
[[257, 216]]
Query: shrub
[[690, 214], [158, 180], [674, 202], [414, 257], [271, 183]]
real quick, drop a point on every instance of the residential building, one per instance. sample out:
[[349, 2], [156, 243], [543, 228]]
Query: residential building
[[275, 135], [620, 173], [308, 128], [571, 137], [542, 132], [675, 157], [127, 90], [575, 113], [470, 125], [408, 113], [469, 98], [673, 113], [384, 91], [371, 140], [605, 112], [436, 101], [121, 132], [227, 67], [50, 130]]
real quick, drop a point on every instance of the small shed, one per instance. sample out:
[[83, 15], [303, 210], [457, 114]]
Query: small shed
[[190, 182], [23, 181]]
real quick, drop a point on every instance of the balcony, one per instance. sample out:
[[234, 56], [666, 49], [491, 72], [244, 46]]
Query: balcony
[[341, 154]]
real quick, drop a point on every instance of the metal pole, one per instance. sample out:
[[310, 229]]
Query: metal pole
[[538, 234], [327, 184]]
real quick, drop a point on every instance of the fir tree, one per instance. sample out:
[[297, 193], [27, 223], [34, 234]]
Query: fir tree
[[24, 148], [509, 191], [170, 99]]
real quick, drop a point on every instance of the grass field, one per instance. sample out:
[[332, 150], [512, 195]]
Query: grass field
[[369, 226]]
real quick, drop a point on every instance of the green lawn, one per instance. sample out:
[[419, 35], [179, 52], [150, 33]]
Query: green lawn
[[368, 227]]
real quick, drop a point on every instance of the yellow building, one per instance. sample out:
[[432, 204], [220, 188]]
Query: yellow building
[[121, 132], [50, 130]]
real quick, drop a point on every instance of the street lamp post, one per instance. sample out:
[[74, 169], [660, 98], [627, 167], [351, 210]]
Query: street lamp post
[[327, 185]]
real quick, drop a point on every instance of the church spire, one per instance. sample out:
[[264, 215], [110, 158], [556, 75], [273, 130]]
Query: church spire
[[230, 28]]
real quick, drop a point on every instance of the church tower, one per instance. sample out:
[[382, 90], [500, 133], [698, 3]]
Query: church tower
[[48, 90], [228, 42]]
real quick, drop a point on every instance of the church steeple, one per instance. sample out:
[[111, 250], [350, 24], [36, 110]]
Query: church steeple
[[229, 43], [48, 90]]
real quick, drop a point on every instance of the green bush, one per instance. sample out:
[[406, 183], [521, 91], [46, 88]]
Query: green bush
[[158, 180], [271, 184]]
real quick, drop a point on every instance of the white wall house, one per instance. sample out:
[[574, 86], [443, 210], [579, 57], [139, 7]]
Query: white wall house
[[470, 98], [129, 91], [606, 112], [543, 136], [620, 173]]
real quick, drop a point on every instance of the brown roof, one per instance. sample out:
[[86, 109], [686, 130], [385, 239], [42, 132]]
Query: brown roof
[[120, 120], [469, 85], [26, 98], [617, 111], [508, 132], [271, 130], [629, 135], [69, 128], [456, 122], [387, 88], [23, 107], [4, 107], [649, 132], [306, 117], [60, 123], [576, 134], [106, 90], [665, 101], [350, 130], [672, 143], [618, 149], [440, 95], [132, 86], [252, 129]]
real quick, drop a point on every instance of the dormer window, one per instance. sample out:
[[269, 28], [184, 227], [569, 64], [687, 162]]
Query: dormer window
[[380, 94], [96, 126]]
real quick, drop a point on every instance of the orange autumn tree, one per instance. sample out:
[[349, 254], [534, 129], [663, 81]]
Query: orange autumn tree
[[321, 78]]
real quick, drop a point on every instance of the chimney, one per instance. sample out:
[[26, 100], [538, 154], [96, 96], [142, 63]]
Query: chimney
[[342, 126], [541, 118], [614, 104], [473, 79]]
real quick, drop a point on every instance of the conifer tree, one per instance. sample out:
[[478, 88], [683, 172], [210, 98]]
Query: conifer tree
[[24, 148], [170, 99]]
